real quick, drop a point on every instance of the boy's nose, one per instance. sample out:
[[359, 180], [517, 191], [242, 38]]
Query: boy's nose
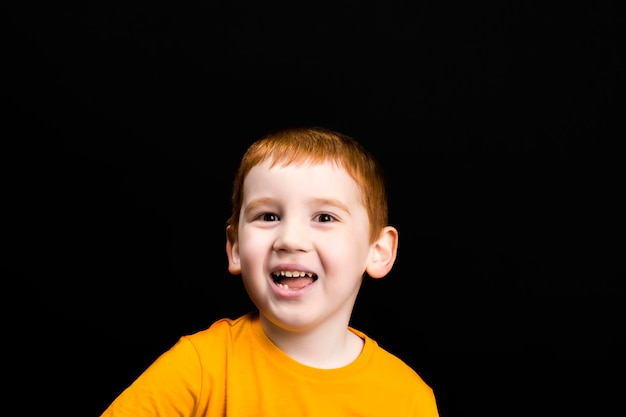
[[292, 236]]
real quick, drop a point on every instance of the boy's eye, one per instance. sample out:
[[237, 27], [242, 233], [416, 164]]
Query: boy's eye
[[268, 217], [324, 218]]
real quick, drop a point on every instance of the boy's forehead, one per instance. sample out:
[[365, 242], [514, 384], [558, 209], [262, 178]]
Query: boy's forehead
[[323, 174], [303, 185]]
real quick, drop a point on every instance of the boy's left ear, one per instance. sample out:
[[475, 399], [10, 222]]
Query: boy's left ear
[[383, 254]]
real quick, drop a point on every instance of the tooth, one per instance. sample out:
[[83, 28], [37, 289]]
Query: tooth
[[293, 274]]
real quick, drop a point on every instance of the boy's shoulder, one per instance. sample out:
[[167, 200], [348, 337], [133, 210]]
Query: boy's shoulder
[[223, 327]]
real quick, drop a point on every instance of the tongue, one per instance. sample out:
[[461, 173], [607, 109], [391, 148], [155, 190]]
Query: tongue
[[299, 282]]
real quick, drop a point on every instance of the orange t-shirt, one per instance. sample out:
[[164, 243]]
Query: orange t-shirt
[[233, 369]]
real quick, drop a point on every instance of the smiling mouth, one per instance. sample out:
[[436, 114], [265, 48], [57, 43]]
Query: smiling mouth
[[293, 280]]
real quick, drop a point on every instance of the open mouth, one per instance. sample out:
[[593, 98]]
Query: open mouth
[[293, 280]]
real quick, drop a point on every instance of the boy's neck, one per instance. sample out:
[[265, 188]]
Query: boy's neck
[[326, 347]]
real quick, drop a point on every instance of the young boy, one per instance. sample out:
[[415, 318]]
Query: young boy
[[308, 224]]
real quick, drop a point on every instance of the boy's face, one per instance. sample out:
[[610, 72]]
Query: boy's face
[[307, 225]]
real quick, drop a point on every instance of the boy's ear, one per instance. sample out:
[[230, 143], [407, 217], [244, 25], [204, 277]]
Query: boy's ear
[[384, 252], [232, 250]]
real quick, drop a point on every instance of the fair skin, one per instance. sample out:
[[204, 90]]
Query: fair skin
[[307, 220]]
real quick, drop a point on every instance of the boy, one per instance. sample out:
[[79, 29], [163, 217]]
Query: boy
[[308, 223]]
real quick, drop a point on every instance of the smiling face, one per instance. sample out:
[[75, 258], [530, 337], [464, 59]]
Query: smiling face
[[303, 244]]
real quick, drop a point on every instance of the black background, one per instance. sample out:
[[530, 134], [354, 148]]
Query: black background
[[499, 126]]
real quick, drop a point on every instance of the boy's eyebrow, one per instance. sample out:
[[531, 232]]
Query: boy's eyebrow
[[318, 201], [258, 202], [331, 202]]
